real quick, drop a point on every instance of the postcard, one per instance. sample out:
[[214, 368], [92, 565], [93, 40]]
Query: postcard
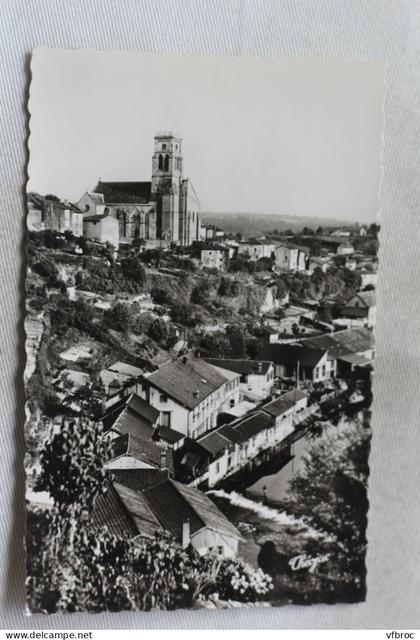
[[202, 240]]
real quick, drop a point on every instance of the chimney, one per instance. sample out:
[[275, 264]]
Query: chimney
[[163, 464], [186, 534]]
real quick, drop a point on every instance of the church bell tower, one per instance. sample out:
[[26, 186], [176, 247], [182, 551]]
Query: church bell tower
[[166, 184]]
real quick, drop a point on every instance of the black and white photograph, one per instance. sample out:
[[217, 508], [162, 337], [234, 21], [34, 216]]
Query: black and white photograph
[[202, 240]]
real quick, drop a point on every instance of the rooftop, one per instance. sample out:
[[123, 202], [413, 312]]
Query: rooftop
[[284, 402], [188, 380], [251, 425], [291, 354], [143, 450], [124, 192]]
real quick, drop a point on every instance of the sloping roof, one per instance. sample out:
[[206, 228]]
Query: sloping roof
[[109, 511], [97, 198], [230, 434], [142, 408], [283, 403], [171, 435], [143, 450], [126, 369], [145, 521], [250, 426], [291, 354], [343, 343], [367, 297], [188, 380], [125, 192], [357, 339], [208, 511], [139, 479], [214, 442], [241, 366], [173, 503]]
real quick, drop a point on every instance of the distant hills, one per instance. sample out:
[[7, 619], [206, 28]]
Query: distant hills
[[254, 224]]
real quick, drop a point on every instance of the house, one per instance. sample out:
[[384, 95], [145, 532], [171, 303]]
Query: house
[[189, 394], [101, 227], [256, 378], [215, 257], [316, 262], [350, 348], [54, 214], [257, 248], [345, 249], [299, 361], [284, 411], [120, 379], [290, 257], [142, 509], [132, 452], [361, 306], [131, 415]]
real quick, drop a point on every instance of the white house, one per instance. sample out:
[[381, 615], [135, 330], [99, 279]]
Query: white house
[[101, 227], [290, 257], [257, 248], [285, 410], [190, 393], [215, 257], [345, 249], [188, 514]]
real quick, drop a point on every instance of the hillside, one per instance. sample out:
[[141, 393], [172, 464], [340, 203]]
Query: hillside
[[252, 224]]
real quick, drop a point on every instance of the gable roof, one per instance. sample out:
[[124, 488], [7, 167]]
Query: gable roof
[[367, 297], [214, 442], [283, 403], [241, 366], [125, 192], [134, 502], [145, 451], [188, 380], [172, 503], [109, 511], [291, 354], [97, 198], [343, 343]]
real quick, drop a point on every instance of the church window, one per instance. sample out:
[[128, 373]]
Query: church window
[[166, 165], [160, 162], [163, 147]]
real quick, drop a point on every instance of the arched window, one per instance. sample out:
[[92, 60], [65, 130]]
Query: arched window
[[160, 162], [166, 167], [163, 147]]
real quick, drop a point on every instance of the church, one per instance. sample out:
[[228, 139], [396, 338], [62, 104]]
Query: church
[[163, 211]]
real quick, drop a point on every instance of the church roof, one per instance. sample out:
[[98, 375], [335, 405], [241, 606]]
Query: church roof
[[125, 192]]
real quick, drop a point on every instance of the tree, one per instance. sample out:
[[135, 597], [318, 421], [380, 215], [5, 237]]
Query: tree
[[47, 269], [332, 488], [133, 269], [320, 231], [117, 317], [72, 463], [159, 331]]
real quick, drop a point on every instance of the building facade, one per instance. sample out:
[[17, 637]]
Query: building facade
[[164, 210]]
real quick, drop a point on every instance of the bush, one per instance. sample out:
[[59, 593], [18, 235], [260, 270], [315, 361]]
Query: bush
[[47, 269]]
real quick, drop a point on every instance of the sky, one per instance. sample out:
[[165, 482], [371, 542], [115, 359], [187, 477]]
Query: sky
[[260, 135]]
